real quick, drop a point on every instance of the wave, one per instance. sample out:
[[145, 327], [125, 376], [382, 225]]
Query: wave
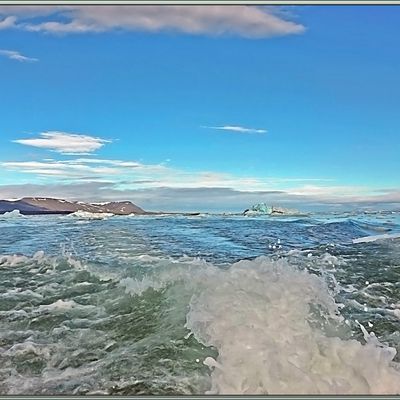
[[275, 327], [277, 330], [90, 215], [367, 239], [269, 322]]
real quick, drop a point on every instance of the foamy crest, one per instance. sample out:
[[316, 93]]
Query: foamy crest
[[59, 306], [269, 323], [12, 260], [90, 215], [367, 239], [168, 271], [135, 286]]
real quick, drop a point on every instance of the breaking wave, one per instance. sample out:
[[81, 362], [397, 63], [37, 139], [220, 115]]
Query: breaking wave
[[90, 215], [277, 330], [261, 326], [374, 238]]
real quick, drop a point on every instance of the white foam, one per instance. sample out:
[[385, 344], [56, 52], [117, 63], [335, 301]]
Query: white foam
[[147, 258], [277, 330], [90, 215], [367, 239], [12, 293], [137, 287], [258, 314], [59, 305], [28, 347], [12, 260], [395, 312]]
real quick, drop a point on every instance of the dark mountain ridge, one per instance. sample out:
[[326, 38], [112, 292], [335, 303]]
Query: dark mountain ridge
[[47, 205]]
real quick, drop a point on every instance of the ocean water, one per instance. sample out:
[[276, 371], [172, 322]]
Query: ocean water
[[193, 305]]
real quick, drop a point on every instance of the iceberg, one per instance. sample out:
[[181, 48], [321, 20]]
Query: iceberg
[[265, 209], [12, 214]]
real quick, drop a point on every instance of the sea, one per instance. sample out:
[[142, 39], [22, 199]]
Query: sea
[[207, 304]]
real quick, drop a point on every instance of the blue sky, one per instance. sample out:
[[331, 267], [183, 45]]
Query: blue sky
[[202, 108]]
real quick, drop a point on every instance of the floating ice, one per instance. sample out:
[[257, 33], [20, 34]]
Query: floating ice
[[12, 214]]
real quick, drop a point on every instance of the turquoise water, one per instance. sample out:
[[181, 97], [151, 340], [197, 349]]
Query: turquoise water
[[193, 305]]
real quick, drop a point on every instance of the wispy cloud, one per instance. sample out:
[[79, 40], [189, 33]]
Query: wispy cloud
[[129, 174], [15, 55], [215, 20], [236, 128], [133, 174], [65, 170], [65, 143]]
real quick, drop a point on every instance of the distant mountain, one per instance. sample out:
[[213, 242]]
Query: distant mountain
[[45, 205]]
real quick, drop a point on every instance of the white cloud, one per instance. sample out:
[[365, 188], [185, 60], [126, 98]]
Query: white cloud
[[69, 169], [236, 128], [117, 163], [324, 191], [65, 143], [238, 20], [15, 55], [8, 22]]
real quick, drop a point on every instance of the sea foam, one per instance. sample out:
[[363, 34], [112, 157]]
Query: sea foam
[[277, 330], [276, 327], [374, 238], [90, 215], [270, 323]]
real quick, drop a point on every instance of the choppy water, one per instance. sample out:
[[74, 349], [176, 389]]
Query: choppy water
[[210, 304]]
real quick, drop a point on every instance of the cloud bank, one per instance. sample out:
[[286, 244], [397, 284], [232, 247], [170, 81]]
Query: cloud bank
[[213, 20], [160, 187], [134, 175], [196, 199], [65, 143]]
